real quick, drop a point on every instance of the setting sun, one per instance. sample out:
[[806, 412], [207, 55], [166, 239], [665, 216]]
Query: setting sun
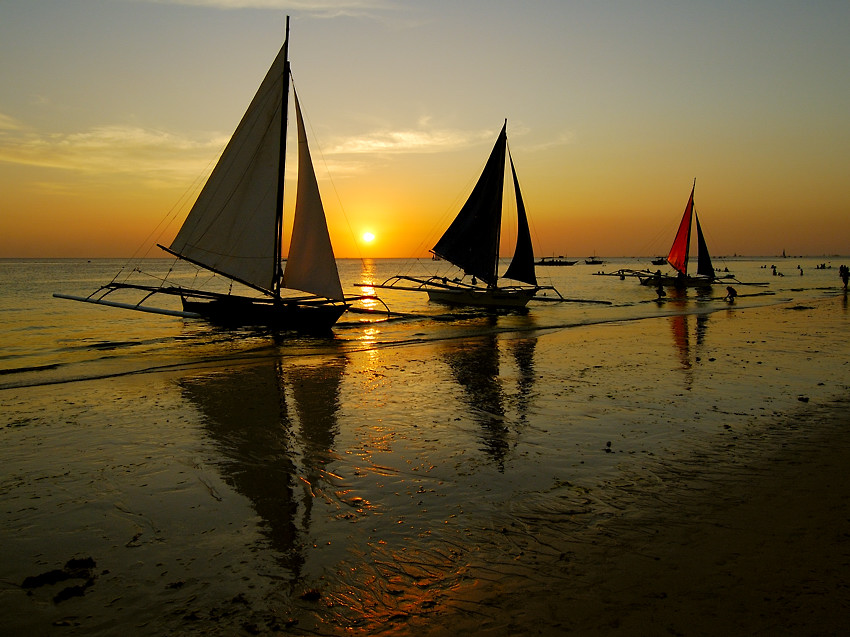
[[368, 237]]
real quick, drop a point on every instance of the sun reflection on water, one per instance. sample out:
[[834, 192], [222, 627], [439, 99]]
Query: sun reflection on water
[[368, 273]]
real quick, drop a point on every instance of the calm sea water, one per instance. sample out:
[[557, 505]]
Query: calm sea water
[[47, 340]]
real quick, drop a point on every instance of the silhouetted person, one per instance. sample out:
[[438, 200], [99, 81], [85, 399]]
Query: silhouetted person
[[731, 293]]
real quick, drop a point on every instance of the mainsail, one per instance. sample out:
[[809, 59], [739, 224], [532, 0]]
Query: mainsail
[[231, 227], [471, 242], [678, 257]]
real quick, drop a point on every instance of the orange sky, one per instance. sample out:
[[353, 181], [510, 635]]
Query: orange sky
[[110, 112]]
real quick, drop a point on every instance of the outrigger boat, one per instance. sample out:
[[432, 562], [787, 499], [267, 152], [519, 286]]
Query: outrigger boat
[[471, 243], [555, 261], [235, 230], [679, 253]]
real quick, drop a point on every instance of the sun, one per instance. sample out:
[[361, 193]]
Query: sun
[[368, 237]]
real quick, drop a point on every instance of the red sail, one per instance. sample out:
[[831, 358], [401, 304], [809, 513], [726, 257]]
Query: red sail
[[678, 257]]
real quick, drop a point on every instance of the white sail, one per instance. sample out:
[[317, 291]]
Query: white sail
[[310, 264], [231, 227]]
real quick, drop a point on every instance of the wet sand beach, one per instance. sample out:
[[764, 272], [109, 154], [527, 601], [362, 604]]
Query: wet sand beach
[[756, 544], [680, 474]]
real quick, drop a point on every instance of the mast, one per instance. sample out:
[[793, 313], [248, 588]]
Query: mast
[[277, 274], [495, 282]]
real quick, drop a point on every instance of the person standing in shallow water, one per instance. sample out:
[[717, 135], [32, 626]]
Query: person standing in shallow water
[[844, 273]]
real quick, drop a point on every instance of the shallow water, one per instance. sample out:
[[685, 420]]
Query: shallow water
[[53, 340], [228, 481]]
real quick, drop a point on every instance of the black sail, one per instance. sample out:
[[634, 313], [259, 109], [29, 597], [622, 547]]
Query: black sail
[[472, 240], [522, 264], [704, 265]]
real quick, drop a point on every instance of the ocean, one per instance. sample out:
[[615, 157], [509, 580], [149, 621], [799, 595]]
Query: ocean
[[164, 476], [46, 340]]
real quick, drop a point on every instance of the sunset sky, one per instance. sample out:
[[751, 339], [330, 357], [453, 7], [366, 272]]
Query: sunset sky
[[113, 111]]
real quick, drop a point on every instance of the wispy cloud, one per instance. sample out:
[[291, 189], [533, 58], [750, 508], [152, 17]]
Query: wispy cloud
[[408, 141], [326, 8], [9, 123], [108, 150], [426, 139], [166, 157], [562, 139]]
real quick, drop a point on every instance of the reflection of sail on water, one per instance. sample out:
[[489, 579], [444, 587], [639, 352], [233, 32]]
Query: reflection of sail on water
[[315, 393], [246, 415], [475, 366], [680, 327], [523, 351]]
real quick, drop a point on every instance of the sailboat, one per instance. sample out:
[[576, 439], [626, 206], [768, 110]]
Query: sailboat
[[559, 261], [679, 255], [235, 229], [472, 241]]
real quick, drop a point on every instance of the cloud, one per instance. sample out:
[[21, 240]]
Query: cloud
[[164, 159], [408, 141], [109, 150], [9, 123], [169, 158], [426, 139], [316, 7], [562, 139]]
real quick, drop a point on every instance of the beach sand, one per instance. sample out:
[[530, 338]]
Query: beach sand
[[653, 477]]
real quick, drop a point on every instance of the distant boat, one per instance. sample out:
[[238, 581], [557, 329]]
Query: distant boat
[[235, 229], [679, 253], [660, 261], [554, 261], [471, 243], [593, 261]]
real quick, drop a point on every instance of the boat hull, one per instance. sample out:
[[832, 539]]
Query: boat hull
[[313, 318], [561, 262], [677, 281], [496, 298]]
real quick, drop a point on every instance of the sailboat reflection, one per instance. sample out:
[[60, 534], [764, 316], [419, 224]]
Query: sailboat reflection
[[248, 414], [475, 365], [523, 351], [688, 355]]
